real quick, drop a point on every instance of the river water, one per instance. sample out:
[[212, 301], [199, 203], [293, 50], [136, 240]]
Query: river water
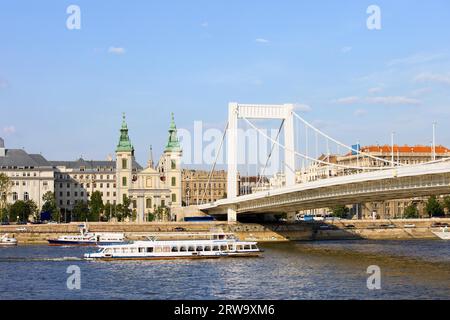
[[289, 271]]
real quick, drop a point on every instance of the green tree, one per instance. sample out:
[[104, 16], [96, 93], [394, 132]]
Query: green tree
[[22, 210], [50, 206], [125, 209], [434, 208], [5, 188], [80, 211], [340, 212], [96, 206], [447, 203], [109, 211], [411, 212]]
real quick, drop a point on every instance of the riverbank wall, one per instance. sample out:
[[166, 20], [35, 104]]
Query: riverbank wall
[[279, 232]]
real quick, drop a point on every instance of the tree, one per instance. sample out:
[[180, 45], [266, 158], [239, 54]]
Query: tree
[[5, 188], [50, 206], [340, 212], [80, 211], [109, 211], [447, 203], [22, 210], [434, 208], [411, 212], [96, 206]]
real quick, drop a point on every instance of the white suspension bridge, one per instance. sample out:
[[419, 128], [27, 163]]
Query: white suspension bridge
[[387, 179]]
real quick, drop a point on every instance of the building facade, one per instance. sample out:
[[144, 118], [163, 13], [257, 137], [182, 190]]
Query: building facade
[[71, 181], [31, 175], [198, 188]]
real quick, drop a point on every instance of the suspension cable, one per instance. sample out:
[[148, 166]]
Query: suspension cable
[[215, 162], [310, 158], [342, 144], [270, 155]]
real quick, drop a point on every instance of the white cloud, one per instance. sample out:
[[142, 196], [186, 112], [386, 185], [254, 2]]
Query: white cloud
[[116, 50], [386, 100], [302, 107], [433, 77], [421, 91], [392, 100], [346, 49], [375, 90], [3, 84], [416, 59], [347, 100], [262, 40], [9, 130], [360, 112]]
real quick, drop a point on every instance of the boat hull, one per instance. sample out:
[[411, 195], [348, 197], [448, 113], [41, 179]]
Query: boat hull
[[62, 243], [443, 235], [158, 258]]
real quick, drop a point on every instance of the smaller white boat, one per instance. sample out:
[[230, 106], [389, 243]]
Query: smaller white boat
[[444, 234], [86, 238], [6, 240]]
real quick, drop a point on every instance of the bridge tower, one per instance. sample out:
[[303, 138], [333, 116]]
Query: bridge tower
[[238, 111]]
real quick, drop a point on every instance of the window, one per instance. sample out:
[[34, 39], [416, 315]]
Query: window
[[148, 203], [124, 181], [163, 203], [15, 196], [26, 196], [173, 164], [174, 197], [174, 181], [124, 163], [134, 204]]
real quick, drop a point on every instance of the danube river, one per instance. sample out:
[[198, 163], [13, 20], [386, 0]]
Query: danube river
[[306, 270]]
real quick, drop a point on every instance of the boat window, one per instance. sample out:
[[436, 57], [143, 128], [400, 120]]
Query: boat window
[[159, 249], [141, 250], [216, 248], [149, 250], [167, 249], [207, 248], [191, 249], [254, 247], [199, 248], [247, 247], [183, 249], [174, 249], [224, 248], [230, 248], [239, 248]]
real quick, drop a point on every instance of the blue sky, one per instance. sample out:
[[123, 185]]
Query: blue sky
[[62, 91]]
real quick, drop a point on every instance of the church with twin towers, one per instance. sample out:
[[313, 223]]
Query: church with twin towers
[[156, 185]]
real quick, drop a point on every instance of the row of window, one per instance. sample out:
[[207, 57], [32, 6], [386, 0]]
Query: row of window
[[88, 194], [88, 185], [28, 183], [87, 177]]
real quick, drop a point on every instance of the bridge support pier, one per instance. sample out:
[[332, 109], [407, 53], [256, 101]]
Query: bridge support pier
[[232, 215], [291, 216]]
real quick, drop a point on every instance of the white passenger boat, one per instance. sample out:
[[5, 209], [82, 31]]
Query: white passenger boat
[[86, 238], [6, 240], [218, 245], [444, 234]]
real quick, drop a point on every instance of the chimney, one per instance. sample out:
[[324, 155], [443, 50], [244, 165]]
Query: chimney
[[2, 148]]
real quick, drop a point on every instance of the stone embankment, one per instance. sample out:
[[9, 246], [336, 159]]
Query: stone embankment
[[329, 230]]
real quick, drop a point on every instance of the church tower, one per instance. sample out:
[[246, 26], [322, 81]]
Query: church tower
[[124, 163], [171, 165]]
